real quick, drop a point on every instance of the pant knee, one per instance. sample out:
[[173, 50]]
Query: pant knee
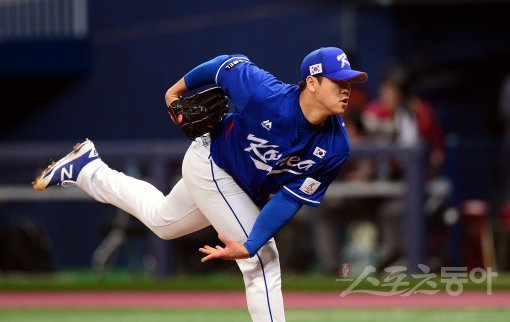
[[161, 232]]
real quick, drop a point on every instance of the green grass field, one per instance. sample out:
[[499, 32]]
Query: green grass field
[[239, 315], [122, 281], [82, 280]]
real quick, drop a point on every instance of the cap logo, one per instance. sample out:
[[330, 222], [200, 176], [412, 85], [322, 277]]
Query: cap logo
[[316, 69], [343, 59]]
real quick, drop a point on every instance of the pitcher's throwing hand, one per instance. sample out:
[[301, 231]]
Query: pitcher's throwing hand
[[231, 251]]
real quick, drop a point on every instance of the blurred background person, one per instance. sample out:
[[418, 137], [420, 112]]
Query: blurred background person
[[398, 116], [502, 225], [504, 112], [335, 225]]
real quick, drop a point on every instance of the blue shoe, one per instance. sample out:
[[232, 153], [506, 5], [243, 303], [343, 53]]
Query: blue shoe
[[65, 171]]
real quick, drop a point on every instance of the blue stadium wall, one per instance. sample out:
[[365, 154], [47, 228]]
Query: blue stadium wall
[[114, 86]]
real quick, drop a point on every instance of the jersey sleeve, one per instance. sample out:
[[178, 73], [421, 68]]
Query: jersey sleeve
[[240, 78], [311, 188], [204, 73], [275, 214]]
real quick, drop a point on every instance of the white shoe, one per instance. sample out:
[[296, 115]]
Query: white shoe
[[65, 171]]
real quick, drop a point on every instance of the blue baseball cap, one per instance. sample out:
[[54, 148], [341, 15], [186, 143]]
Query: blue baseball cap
[[330, 62]]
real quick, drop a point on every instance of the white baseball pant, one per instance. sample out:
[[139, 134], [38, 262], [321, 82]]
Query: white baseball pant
[[206, 195]]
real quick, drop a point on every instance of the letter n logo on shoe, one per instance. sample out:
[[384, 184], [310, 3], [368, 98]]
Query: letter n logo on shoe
[[65, 173]]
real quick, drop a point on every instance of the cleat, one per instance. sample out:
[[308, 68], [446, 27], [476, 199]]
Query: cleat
[[65, 171]]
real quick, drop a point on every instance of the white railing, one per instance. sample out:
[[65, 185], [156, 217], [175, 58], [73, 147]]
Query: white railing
[[43, 19], [159, 154]]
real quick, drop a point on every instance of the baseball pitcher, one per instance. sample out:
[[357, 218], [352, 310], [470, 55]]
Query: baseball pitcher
[[246, 172]]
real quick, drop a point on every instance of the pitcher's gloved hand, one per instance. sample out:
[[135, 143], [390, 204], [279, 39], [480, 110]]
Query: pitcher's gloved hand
[[200, 113]]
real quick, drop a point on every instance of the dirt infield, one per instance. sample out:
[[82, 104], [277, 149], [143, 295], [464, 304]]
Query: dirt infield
[[237, 299]]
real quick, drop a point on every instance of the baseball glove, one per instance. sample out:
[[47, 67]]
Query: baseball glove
[[200, 113]]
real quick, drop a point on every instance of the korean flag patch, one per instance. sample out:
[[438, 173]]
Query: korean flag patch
[[318, 152], [316, 69], [310, 186]]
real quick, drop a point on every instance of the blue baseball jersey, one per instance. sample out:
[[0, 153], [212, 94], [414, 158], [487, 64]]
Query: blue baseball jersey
[[259, 145]]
